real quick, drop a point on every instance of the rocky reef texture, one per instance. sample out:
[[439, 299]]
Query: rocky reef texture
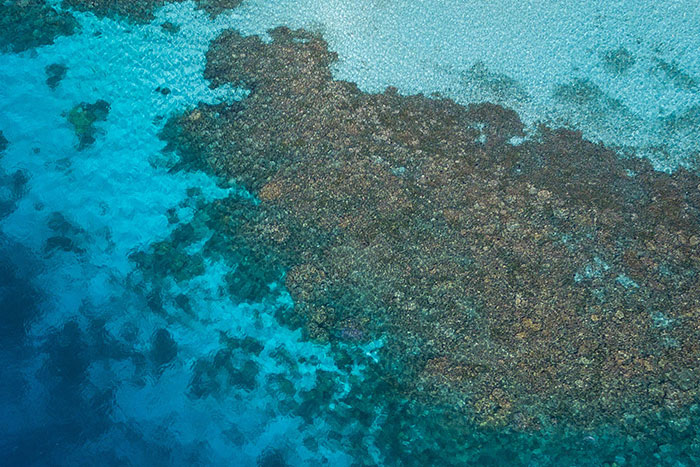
[[3, 142], [523, 284], [27, 24], [141, 11], [83, 118]]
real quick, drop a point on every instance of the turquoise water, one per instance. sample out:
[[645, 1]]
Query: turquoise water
[[87, 334], [519, 54], [107, 361]]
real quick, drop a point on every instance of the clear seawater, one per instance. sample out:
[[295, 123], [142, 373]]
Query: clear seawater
[[83, 378]]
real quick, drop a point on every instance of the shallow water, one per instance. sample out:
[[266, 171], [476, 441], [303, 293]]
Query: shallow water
[[519, 54], [114, 358]]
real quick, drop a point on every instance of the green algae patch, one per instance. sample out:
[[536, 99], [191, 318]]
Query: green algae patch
[[83, 118], [281, 384], [247, 344], [25, 25]]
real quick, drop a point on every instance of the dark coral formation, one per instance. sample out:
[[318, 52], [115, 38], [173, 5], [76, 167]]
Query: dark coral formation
[[141, 11], [672, 72], [618, 61], [588, 97], [170, 27], [216, 7], [13, 186], [83, 118], [548, 277], [3, 142], [26, 24], [65, 236], [501, 88], [163, 347], [55, 74]]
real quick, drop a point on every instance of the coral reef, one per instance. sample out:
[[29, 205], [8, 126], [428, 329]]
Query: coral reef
[[83, 118], [417, 221], [618, 61], [170, 27], [216, 7], [26, 24], [138, 11], [54, 74], [141, 11], [12, 189], [3, 142], [672, 72]]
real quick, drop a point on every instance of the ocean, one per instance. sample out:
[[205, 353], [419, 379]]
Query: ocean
[[223, 241]]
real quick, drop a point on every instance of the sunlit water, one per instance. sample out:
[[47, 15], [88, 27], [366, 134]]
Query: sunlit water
[[84, 377], [91, 372], [624, 72]]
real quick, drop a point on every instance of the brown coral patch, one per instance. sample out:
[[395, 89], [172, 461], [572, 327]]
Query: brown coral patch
[[519, 278]]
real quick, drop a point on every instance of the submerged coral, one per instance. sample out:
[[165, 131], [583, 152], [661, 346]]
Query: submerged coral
[[3, 142], [216, 7], [673, 73], [25, 25], [141, 11], [618, 61], [499, 87], [83, 118], [417, 221], [54, 74]]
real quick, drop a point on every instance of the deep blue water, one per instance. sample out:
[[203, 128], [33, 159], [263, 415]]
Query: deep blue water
[[102, 365]]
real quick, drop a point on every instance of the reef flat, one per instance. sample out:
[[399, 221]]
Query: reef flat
[[521, 282]]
